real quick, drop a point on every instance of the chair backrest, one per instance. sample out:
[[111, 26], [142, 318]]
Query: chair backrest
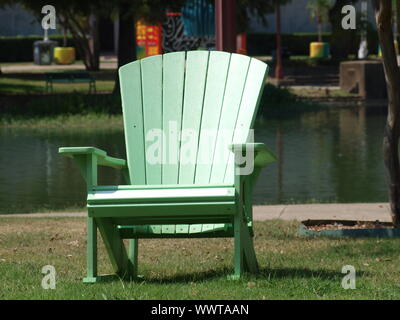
[[182, 109]]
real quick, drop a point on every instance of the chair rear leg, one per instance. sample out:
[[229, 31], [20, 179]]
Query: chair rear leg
[[249, 252], [245, 257], [114, 245], [133, 258]]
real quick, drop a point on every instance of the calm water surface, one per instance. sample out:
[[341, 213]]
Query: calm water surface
[[325, 156]]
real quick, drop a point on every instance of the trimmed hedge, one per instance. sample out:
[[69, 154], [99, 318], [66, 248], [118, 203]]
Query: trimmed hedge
[[298, 43], [20, 48]]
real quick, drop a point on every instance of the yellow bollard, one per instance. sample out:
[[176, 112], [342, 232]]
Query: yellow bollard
[[319, 49], [64, 55]]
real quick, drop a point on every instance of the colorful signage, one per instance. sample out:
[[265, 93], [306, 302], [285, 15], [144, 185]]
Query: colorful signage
[[148, 40]]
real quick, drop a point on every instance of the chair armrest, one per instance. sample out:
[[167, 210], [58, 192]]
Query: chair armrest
[[262, 155], [89, 158], [102, 158]]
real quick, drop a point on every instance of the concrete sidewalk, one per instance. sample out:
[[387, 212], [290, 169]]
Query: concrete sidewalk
[[300, 212], [336, 211]]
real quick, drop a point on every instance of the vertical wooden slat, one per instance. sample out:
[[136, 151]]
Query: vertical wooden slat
[[252, 93], [237, 74], [195, 79], [173, 80], [217, 72], [152, 116], [131, 95], [156, 92]]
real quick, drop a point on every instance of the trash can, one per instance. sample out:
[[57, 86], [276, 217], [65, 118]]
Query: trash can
[[43, 52]]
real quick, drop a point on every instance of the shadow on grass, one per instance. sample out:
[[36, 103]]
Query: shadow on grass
[[18, 88], [106, 74], [264, 274], [295, 273]]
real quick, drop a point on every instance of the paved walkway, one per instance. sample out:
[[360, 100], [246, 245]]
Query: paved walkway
[[300, 212]]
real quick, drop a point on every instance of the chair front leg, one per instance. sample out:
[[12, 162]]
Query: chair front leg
[[91, 254]]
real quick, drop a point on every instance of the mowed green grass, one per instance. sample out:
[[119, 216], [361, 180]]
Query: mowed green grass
[[292, 267]]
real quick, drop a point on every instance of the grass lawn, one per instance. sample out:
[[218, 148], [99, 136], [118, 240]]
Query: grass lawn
[[321, 93], [65, 122], [20, 85], [292, 267], [33, 82]]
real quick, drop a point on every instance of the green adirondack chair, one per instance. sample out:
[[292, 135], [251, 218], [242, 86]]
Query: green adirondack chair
[[169, 103]]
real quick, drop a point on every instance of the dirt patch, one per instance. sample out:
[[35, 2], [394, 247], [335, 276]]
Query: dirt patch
[[340, 225]]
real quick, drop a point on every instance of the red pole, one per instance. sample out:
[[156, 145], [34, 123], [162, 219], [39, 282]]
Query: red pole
[[278, 68], [225, 25]]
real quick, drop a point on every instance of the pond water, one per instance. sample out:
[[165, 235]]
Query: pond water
[[332, 155]]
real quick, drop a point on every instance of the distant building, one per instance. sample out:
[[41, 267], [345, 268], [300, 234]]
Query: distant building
[[295, 18], [16, 21]]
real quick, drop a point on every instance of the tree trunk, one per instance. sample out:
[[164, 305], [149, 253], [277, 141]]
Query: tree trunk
[[94, 46], [397, 13], [383, 16], [126, 40], [88, 51], [319, 31], [278, 53]]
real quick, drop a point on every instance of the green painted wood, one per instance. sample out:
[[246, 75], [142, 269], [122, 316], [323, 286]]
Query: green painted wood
[[195, 219], [195, 80], [197, 91], [237, 75], [168, 229], [129, 232], [169, 210], [156, 228], [91, 251], [195, 228], [217, 73], [209, 227], [133, 258], [183, 228], [179, 230], [255, 82], [114, 246], [173, 86], [152, 116], [100, 155], [262, 155], [244, 256], [87, 164], [160, 195], [159, 186], [131, 96]]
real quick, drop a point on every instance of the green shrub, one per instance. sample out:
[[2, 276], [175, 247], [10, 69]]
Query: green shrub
[[275, 102], [63, 104], [281, 102]]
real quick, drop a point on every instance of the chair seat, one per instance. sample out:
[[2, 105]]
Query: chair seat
[[163, 204], [157, 194]]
